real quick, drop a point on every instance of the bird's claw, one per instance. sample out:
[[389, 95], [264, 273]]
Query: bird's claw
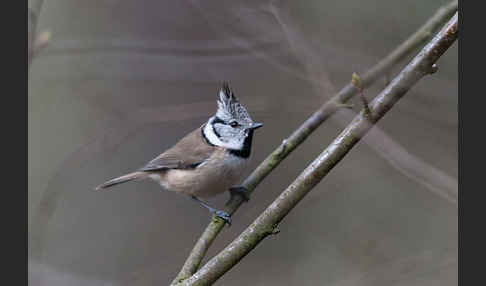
[[224, 216]]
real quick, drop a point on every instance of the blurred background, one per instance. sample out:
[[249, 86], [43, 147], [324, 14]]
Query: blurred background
[[121, 81]]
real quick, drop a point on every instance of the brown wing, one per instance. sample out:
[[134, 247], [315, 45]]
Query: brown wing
[[189, 152]]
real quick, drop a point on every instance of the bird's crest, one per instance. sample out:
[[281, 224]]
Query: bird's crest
[[229, 107]]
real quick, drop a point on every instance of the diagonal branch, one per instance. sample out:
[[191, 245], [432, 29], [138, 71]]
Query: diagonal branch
[[312, 123], [399, 158], [266, 223]]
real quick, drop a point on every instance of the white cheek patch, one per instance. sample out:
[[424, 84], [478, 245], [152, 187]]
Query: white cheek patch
[[213, 139]]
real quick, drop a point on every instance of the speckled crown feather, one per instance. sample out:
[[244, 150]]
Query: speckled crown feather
[[229, 107]]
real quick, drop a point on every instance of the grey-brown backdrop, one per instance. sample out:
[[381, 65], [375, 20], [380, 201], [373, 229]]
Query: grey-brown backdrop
[[121, 81]]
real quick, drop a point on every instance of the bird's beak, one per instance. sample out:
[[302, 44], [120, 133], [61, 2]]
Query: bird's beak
[[255, 125]]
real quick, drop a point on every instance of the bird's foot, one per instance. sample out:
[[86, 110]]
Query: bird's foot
[[223, 215], [239, 191], [218, 213]]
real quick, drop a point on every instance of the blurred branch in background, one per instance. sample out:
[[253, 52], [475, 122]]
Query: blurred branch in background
[[266, 224], [312, 123], [413, 167], [397, 271], [35, 42]]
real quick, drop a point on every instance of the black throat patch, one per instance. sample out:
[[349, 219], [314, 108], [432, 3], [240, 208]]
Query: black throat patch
[[246, 150]]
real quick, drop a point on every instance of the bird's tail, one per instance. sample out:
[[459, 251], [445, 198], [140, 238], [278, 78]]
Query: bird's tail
[[122, 179]]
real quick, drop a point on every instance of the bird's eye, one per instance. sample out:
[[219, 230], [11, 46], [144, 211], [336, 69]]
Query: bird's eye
[[233, 124]]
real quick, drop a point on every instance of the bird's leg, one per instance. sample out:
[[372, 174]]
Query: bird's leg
[[221, 214], [239, 191]]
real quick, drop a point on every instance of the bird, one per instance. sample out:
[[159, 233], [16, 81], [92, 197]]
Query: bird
[[209, 160]]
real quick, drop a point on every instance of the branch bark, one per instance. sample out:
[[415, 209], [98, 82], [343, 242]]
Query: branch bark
[[422, 65], [312, 123]]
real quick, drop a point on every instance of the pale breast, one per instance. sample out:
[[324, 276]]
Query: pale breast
[[216, 175]]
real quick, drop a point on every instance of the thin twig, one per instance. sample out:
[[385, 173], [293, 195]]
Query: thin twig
[[356, 83], [265, 224], [298, 136]]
